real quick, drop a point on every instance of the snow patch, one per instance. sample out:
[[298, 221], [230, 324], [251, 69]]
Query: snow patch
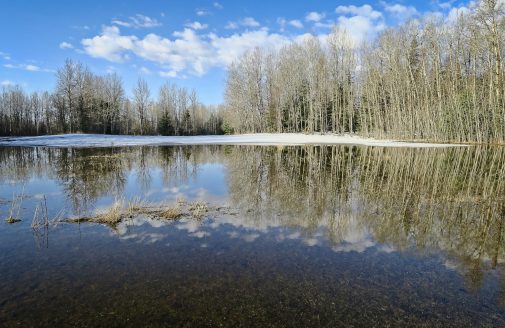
[[263, 139]]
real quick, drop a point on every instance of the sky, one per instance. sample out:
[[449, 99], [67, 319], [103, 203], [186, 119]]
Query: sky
[[189, 43]]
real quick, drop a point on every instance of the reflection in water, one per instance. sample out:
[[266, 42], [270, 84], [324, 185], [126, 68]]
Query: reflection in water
[[451, 199], [352, 199]]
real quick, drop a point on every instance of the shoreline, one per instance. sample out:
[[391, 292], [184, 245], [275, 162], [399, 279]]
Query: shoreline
[[257, 139]]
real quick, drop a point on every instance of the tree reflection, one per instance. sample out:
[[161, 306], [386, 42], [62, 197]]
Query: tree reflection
[[433, 199]]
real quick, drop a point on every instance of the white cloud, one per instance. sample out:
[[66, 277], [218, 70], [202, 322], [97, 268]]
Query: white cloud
[[365, 11], [446, 4], [360, 28], [295, 23], [168, 74], [66, 45], [186, 51], [249, 22], [145, 70], [246, 22], [109, 45], [455, 13], [232, 26], [217, 5], [7, 83], [5, 55], [197, 26], [324, 25], [361, 22], [28, 67], [202, 12], [314, 16], [399, 11], [138, 21]]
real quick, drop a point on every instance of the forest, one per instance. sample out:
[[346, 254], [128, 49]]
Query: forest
[[433, 78], [87, 103]]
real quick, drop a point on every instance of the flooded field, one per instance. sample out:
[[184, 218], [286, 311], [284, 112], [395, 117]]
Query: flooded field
[[284, 236]]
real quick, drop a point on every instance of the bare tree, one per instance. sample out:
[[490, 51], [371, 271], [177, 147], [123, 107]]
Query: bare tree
[[141, 93]]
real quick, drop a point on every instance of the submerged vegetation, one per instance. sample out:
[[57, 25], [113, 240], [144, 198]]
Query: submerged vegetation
[[438, 79]]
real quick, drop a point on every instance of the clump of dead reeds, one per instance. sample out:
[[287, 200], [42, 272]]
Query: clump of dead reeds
[[171, 213], [135, 205], [112, 215], [198, 209]]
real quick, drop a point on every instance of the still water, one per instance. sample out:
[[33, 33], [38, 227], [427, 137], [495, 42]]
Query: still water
[[313, 236]]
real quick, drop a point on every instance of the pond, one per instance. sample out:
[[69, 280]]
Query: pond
[[310, 236]]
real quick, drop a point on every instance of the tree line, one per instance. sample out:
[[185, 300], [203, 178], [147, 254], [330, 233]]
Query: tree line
[[88, 103], [430, 78]]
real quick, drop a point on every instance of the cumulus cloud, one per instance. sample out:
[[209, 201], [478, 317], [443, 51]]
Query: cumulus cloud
[[245, 22], [66, 45], [217, 5], [364, 11], [185, 51], [138, 21], [314, 17], [399, 11], [361, 22], [197, 26], [109, 45], [295, 23], [249, 22], [232, 26]]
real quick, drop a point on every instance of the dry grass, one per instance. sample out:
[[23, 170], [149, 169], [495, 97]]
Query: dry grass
[[113, 215], [118, 212], [198, 209], [136, 205], [171, 213]]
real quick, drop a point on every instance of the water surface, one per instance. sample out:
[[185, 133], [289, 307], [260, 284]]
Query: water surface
[[315, 236]]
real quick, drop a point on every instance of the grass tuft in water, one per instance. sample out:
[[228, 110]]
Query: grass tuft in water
[[11, 220], [171, 213], [15, 208], [198, 209]]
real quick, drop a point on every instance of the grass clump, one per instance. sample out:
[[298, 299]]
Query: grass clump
[[113, 215], [198, 209], [135, 205], [12, 220], [15, 209], [171, 213]]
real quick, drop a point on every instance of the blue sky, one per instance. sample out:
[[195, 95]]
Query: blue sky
[[189, 43]]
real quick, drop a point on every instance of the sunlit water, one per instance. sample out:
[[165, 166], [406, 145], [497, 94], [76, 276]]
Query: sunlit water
[[315, 236]]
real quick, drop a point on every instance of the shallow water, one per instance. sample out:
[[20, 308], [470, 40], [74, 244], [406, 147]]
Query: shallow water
[[318, 236]]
